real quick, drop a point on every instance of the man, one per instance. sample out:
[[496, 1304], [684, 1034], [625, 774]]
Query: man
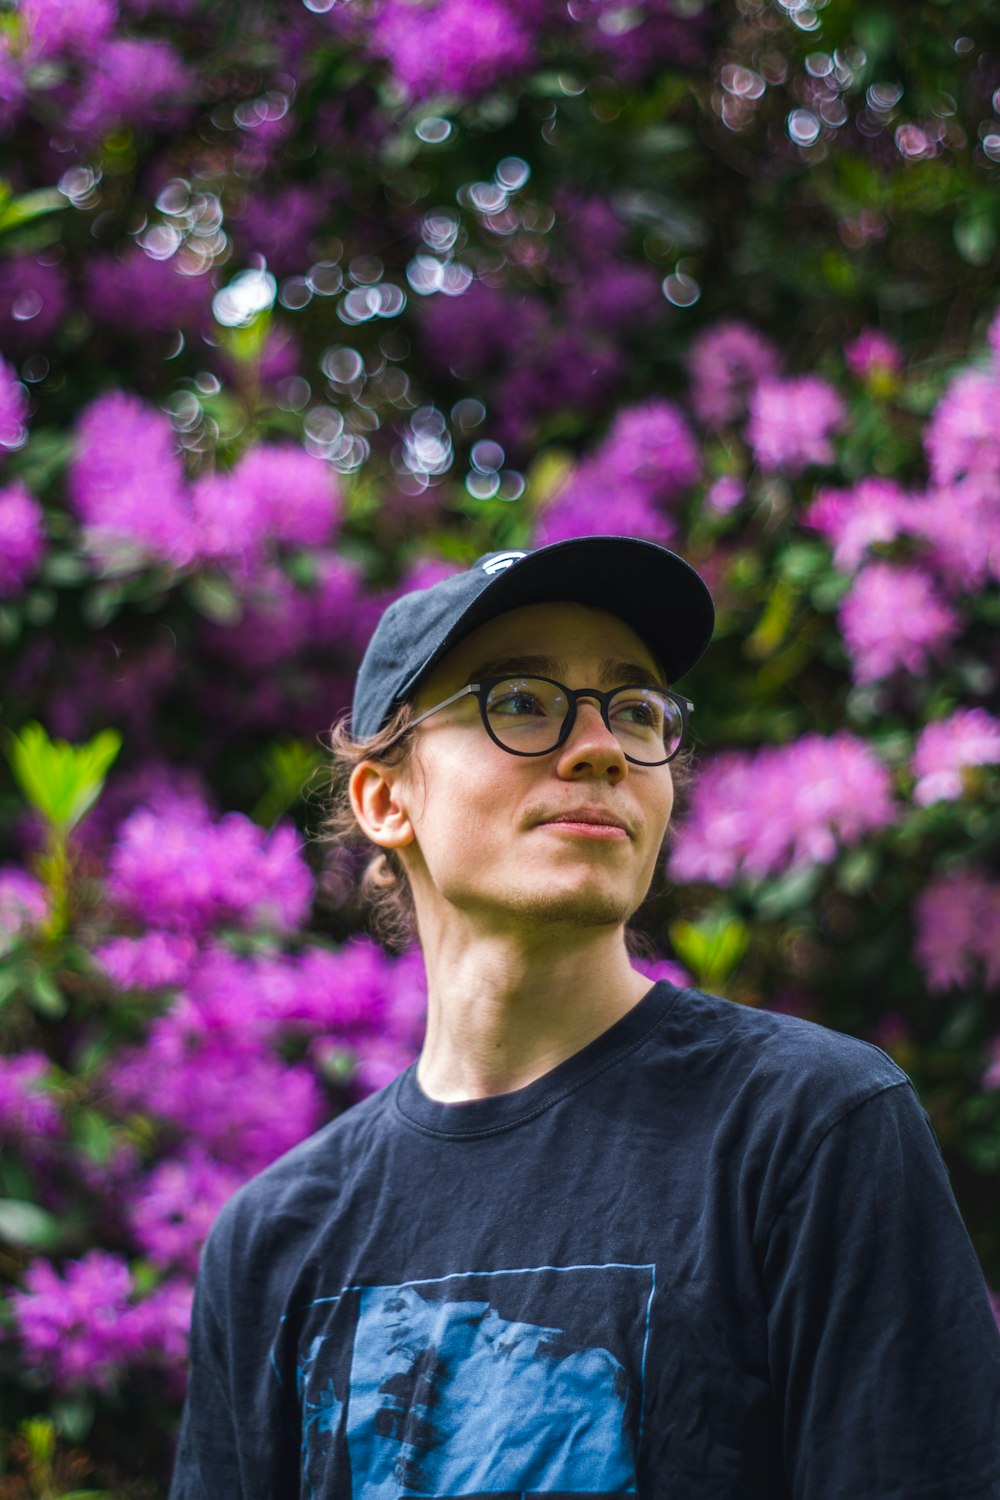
[[606, 1238]]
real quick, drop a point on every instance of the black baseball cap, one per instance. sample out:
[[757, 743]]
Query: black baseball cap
[[653, 590]]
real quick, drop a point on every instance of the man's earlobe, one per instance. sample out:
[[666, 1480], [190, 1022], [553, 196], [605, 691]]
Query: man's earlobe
[[376, 797]]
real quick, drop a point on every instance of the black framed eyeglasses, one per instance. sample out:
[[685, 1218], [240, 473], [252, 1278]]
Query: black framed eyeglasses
[[535, 715]]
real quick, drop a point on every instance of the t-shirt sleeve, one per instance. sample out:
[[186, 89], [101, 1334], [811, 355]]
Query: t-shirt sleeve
[[884, 1354], [206, 1466]]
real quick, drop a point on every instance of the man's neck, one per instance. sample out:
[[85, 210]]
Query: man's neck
[[503, 1009]]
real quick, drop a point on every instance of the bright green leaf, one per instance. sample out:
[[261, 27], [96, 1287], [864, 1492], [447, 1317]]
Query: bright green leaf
[[28, 1226]]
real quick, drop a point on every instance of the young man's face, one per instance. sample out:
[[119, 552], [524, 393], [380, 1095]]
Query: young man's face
[[506, 837]]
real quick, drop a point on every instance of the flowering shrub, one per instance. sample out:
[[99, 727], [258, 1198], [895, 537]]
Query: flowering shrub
[[300, 314]]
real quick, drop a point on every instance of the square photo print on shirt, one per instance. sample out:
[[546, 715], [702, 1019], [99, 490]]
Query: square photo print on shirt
[[496, 1383]]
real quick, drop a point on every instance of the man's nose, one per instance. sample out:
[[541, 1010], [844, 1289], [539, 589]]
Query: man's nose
[[591, 748]]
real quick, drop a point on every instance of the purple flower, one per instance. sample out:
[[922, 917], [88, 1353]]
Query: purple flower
[[876, 510], [651, 445], [617, 295], [243, 1105], [969, 737], [171, 1210], [139, 294], [663, 968], [471, 332], [22, 538], [12, 87], [761, 813], [33, 301], [26, 1108], [957, 918], [873, 356], [132, 82], [461, 47], [126, 483], [647, 459], [154, 961], [23, 904], [725, 494], [276, 493], [74, 1324], [56, 26], [82, 1326], [176, 869], [960, 523], [725, 363], [963, 435], [278, 224], [791, 422], [894, 618], [276, 623], [640, 38], [13, 408]]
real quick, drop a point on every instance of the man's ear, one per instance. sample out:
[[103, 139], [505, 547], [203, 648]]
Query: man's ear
[[377, 799]]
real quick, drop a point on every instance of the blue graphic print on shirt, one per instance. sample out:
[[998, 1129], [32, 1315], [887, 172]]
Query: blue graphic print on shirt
[[480, 1384]]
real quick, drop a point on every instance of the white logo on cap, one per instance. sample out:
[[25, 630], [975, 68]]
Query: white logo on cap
[[501, 561]]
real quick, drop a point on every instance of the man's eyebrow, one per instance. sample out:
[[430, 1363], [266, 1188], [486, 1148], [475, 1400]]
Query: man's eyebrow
[[612, 671]]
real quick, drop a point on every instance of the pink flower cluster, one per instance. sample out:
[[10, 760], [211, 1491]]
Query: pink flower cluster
[[726, 362], [645, 463], [13, 408], [128, 488], [895, 619], [23, 903], [22, 538], [174, 868], [27, 1110], [765, 812], [33, 300], [137, 292], [792, 421], [459, 47], [957, 919], [969, 737], [85, 1326]]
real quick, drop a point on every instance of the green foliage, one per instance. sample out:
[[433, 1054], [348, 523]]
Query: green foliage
[[61, 781]]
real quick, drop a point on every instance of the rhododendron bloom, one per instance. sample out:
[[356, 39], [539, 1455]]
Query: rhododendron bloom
[[126, 482], [172, 1208], [13, 408], [156, 960], [33, 301], [56, 26], [726, 361], [276, 493], [872, 354], [460, 47], [75, 1323], [791, 422], [852, 521], [131, 82], [23, 904], [970, 737], [140, 293], [893, 618], [26, 1108], [175, 868], [761, 813], [957, 919], [963, 435], [22, 538]]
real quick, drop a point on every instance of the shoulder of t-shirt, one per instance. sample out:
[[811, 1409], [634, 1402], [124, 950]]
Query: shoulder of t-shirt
[[289, 1192], [771, 1052]]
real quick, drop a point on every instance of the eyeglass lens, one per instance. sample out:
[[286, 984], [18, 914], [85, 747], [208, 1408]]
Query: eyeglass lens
[[528, 713]]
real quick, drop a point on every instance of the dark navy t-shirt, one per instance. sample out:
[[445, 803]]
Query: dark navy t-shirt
[[712, 1256]]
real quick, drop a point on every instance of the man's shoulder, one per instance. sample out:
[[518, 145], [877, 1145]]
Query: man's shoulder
[[297, 1187], [766, 1052]]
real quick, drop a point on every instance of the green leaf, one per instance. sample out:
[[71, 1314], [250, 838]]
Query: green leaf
[[214, 597], [60, 780], [18, 211], [712, 947], [28, 1226]]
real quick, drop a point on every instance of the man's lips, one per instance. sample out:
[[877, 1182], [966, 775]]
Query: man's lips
[[594, 822]]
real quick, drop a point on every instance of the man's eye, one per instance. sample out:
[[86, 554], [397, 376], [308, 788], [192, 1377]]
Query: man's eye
[[517, 705]]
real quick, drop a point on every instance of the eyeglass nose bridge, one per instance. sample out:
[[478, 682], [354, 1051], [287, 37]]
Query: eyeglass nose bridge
[[573, 696]]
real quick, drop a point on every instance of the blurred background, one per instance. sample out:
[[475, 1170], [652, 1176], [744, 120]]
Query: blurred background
[[306, 304]]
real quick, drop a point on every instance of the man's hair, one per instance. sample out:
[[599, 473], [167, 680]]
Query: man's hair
[[384, 884]]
